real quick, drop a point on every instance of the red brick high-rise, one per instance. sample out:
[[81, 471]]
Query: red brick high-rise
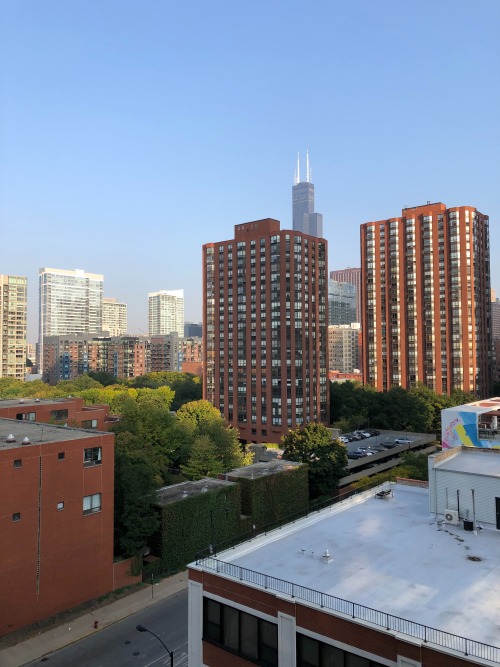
[[265, 329], [426, 310]]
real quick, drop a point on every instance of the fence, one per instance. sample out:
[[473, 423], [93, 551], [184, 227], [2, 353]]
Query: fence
[[396, 624]]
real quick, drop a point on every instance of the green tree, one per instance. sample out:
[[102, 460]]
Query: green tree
[[204, 460], [326, 458], [136, 519], [197, 412]]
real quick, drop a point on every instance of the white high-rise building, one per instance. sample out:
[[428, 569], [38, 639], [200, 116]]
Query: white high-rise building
[[166, 312], [114, 317], [13, 308], [70, 302]]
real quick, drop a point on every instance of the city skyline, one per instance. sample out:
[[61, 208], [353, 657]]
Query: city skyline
[[170, 126]]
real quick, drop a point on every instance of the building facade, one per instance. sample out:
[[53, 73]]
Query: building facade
[[56, 550], [353, 277], [193, 330], [265, 318], [308, 595], [343, 348], [165, 353], [13, 315], [166, 312], [341, 303], [70, 303], [67, 357], [426, 309], [304, 218], [114, 317]]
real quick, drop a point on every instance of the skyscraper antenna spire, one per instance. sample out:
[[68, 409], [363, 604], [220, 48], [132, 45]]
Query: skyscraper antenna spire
[[308, 172], [297, 173]]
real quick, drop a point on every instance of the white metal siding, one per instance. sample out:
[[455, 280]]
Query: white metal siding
[[486, 489]]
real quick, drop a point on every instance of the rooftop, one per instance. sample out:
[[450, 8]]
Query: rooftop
[[30, 402], [389, 555], [37, 433], [471, 460], [173, 493], [262, 469]]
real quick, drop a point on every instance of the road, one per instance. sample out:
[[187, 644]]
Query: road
[[121, 645]]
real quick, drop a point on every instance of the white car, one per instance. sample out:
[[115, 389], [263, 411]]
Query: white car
[[343, 439], [402, 441]]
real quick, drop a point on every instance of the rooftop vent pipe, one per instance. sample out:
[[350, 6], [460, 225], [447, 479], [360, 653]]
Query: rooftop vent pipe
[[26, 441], [10, 438]]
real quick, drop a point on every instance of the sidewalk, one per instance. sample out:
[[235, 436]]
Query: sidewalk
[[81, 627]]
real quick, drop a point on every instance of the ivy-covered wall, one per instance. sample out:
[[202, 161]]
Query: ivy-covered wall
[[273, 497], [190, 525]]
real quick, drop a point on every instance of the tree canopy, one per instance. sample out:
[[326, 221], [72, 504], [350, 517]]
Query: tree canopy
[[326, 458]]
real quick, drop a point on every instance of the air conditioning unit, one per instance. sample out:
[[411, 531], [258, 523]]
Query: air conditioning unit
[[451, 516]]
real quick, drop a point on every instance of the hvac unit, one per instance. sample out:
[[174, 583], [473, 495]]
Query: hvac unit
[[451, 516]]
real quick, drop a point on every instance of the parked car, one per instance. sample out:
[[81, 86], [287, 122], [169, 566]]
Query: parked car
[[388, 444], [365, 451], [343, 439], [355, 455], [402, 441], [363, 434], [377, 448], [373, 431]]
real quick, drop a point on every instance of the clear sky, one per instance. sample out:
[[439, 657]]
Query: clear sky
[[134, 131]]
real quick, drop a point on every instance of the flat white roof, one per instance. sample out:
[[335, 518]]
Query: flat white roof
[[389, 555], [478, 462]]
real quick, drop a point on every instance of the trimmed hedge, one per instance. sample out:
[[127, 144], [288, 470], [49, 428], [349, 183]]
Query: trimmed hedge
[[190, 525], [274, 497]]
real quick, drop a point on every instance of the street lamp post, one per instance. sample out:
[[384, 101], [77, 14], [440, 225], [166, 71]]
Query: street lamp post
[[141, 628]]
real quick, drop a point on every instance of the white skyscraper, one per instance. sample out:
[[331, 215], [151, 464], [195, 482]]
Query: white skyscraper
[[114, 317], [70, 302], [166, 312]]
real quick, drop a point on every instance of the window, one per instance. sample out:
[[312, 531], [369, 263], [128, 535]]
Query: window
[[313, 653], [92, 456], [60, 456], [16, 516], [18, 463], [60, 506], [245, 634], [26, 416], [58, 415], [89, 423], [92, 503]]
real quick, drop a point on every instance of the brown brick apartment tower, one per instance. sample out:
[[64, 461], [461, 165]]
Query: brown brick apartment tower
[[426, 300], [265, 329]]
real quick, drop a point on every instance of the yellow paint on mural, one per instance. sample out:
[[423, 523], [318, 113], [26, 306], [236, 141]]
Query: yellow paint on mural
[[464, 438]]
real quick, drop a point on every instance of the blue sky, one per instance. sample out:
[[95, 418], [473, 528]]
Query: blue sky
[[132, 132]]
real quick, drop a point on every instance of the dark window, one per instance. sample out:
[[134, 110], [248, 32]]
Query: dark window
[[60, 456], [313, 653], [58, 415], [89, 423], [92, 456], [16, 516], [18, 463], [26, 416], [242, 633]]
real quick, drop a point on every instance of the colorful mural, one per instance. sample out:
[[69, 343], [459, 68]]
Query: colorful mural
[[459, 426]]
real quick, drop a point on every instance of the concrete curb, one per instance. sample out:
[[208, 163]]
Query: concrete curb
[[57, 638]]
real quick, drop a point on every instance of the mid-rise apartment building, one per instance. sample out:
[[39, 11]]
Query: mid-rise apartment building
[[426, 309], [265, 316], [114, 317], [166, 353], [70, 303], [344, 347], [13, 314], [56, 523], [166, 312]]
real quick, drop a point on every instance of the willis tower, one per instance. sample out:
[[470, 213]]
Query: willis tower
[[304, 218]]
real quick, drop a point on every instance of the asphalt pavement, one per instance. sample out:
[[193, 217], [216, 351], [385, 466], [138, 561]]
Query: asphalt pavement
[[161, 608]]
